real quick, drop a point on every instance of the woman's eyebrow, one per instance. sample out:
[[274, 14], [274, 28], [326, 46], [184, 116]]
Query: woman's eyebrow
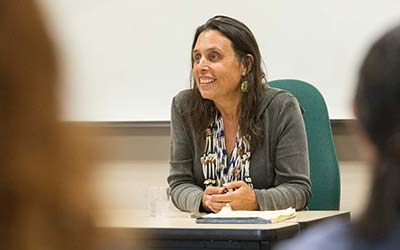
[[208, 49]]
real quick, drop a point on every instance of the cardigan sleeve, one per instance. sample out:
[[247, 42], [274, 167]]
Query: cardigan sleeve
[[292, 185], [185, 194]]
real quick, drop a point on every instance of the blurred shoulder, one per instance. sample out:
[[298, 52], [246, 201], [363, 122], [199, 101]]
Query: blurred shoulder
[[332, 235]]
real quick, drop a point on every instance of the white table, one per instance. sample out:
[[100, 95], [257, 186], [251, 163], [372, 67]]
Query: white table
[[179, 231]]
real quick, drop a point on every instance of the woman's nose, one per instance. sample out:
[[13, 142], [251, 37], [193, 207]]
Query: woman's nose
[[203, 63]]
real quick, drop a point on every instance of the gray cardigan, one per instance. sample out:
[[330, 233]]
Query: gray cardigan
[[279, 165]]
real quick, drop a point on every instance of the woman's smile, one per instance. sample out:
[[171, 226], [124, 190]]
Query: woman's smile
[[207, 80]]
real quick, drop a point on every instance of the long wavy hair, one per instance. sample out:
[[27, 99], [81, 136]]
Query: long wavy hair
[[45, 195], [201, 112], [377, 103]]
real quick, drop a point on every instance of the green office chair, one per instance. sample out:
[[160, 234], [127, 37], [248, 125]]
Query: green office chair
[[324, 168]]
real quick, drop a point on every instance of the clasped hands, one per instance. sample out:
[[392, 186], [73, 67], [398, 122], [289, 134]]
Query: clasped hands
[[237, 193]]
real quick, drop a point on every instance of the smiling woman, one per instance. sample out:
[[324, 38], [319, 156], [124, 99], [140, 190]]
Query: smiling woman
[[233, 139]]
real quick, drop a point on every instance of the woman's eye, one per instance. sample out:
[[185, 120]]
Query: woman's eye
[[214, 56], [196, 58]]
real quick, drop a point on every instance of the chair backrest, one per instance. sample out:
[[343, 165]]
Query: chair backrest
[[324, 170]]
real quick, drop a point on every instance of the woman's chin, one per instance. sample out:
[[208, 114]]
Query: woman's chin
[[206, 95]]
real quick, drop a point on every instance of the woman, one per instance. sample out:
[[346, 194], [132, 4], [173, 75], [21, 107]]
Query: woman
[[44, 189], [233, 140], [376, 105]]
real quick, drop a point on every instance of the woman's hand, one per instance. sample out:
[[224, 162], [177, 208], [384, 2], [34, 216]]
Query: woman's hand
[[209, 203], [237, 193], [240, 196]]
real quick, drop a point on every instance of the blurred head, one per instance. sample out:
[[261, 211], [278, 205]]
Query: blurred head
[[224, 54], [377, 99], [44, 193], [377, 107]]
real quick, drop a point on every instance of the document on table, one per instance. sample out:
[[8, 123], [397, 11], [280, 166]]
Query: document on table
[[229, 216]]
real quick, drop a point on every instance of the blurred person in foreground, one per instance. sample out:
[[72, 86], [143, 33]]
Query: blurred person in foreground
[[377, 107], [45, 196]]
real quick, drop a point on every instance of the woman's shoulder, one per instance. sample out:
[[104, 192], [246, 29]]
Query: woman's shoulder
[[182, 95], [274, 100], [276, 95], [181, 99], [334, 234]]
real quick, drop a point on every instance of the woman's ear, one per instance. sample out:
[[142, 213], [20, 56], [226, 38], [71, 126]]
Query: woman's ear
[[246, 64]]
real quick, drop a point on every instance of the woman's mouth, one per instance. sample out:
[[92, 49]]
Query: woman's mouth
[[206, 80]]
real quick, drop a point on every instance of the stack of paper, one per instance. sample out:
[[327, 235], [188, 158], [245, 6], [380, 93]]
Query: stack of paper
[[229, 216]]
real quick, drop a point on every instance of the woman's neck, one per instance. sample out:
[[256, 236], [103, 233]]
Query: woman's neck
[[229, 109], [229, 112]]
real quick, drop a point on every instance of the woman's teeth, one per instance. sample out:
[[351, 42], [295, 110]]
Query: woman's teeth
[[207, 81]]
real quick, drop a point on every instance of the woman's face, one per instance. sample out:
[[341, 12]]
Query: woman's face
[[216, 68]]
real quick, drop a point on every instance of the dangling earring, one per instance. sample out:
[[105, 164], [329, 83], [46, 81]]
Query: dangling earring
[[244, 87]]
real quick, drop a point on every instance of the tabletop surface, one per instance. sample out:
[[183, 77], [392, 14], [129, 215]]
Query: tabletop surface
[[180, 225], [316, 215], [140, 218]]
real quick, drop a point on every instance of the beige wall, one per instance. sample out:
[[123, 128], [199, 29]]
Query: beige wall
[[138, 158]]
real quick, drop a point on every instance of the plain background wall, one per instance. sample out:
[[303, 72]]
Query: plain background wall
[[138, 158], [125, 59]]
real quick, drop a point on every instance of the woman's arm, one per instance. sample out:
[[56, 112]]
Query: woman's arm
[[292, 169], [185, 194]]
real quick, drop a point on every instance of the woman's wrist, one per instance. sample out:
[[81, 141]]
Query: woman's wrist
[[255, 205], [203, 206]]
